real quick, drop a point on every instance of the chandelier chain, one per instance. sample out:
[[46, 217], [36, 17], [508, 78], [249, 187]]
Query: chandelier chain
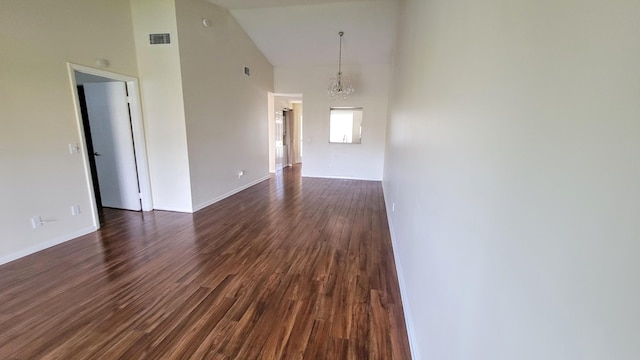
[[340, 54]]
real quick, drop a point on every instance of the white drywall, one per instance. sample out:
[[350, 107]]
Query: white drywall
[[297, 130], [226, 111], [513, 162], [271, 119], [322, 159], [38, 119], [162, 104]]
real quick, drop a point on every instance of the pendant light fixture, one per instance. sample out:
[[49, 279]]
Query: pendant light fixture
[[340, 86]]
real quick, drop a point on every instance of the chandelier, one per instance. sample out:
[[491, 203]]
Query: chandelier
[[340, 86]]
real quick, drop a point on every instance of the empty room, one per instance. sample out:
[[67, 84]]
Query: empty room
[[319, 179]]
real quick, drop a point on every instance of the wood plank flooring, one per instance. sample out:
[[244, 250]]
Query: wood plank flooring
[[292, 268]]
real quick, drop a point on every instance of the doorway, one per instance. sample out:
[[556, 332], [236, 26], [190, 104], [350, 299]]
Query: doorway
[[279, 139], [285, 138], [110, 124]]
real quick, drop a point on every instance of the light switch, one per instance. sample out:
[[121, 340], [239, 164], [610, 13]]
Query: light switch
[[74, 148]]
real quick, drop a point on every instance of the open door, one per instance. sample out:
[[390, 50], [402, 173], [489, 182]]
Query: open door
[[112, 139]]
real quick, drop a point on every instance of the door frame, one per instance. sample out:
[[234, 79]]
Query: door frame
[[137, 128], [271, 108]]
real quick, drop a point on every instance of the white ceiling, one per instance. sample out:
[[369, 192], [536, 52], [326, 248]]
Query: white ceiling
[[291, 34], [247, 4]]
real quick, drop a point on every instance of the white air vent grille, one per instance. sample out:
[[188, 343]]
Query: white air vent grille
[[155, 39]]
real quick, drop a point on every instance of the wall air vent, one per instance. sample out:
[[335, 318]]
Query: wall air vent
[[155, 39]]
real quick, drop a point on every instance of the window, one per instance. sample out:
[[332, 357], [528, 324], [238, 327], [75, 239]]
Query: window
[[345, 125]]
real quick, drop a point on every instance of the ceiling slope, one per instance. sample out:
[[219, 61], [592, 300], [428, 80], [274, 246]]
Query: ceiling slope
[[303, 35]]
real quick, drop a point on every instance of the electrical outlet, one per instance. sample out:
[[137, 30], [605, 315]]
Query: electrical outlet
[[36, 222], [393, 207], [75, 210], [240, 174]]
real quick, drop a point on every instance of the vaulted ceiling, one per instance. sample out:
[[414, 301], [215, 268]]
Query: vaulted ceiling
[[305, 32]]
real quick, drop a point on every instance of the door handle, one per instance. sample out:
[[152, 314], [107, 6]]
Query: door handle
[[97, 154]]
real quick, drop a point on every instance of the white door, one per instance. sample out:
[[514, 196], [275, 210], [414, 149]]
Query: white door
[[110, 125]]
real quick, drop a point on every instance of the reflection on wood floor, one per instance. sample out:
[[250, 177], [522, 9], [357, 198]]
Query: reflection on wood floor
[[290, 268]]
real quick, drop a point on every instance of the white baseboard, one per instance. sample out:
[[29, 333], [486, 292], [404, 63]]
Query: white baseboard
[[188, 211], [341, 177], [226, 195], [408, 319], [47, 244]]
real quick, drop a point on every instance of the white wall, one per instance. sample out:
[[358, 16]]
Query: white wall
[[322, 159], [226, 111], [38, 176], [162, 104], [513, 160], [282, 102], [271, 119], [298, 114]]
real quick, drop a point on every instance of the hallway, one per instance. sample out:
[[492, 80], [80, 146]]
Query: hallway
[[292, 267]]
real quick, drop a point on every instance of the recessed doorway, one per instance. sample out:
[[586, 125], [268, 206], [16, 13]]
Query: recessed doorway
[[110, 124], [286, 131]]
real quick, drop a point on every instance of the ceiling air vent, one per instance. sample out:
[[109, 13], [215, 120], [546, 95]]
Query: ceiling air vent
[[155, 39]]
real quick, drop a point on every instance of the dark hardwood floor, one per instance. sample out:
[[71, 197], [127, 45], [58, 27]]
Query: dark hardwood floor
[[290, 268]]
